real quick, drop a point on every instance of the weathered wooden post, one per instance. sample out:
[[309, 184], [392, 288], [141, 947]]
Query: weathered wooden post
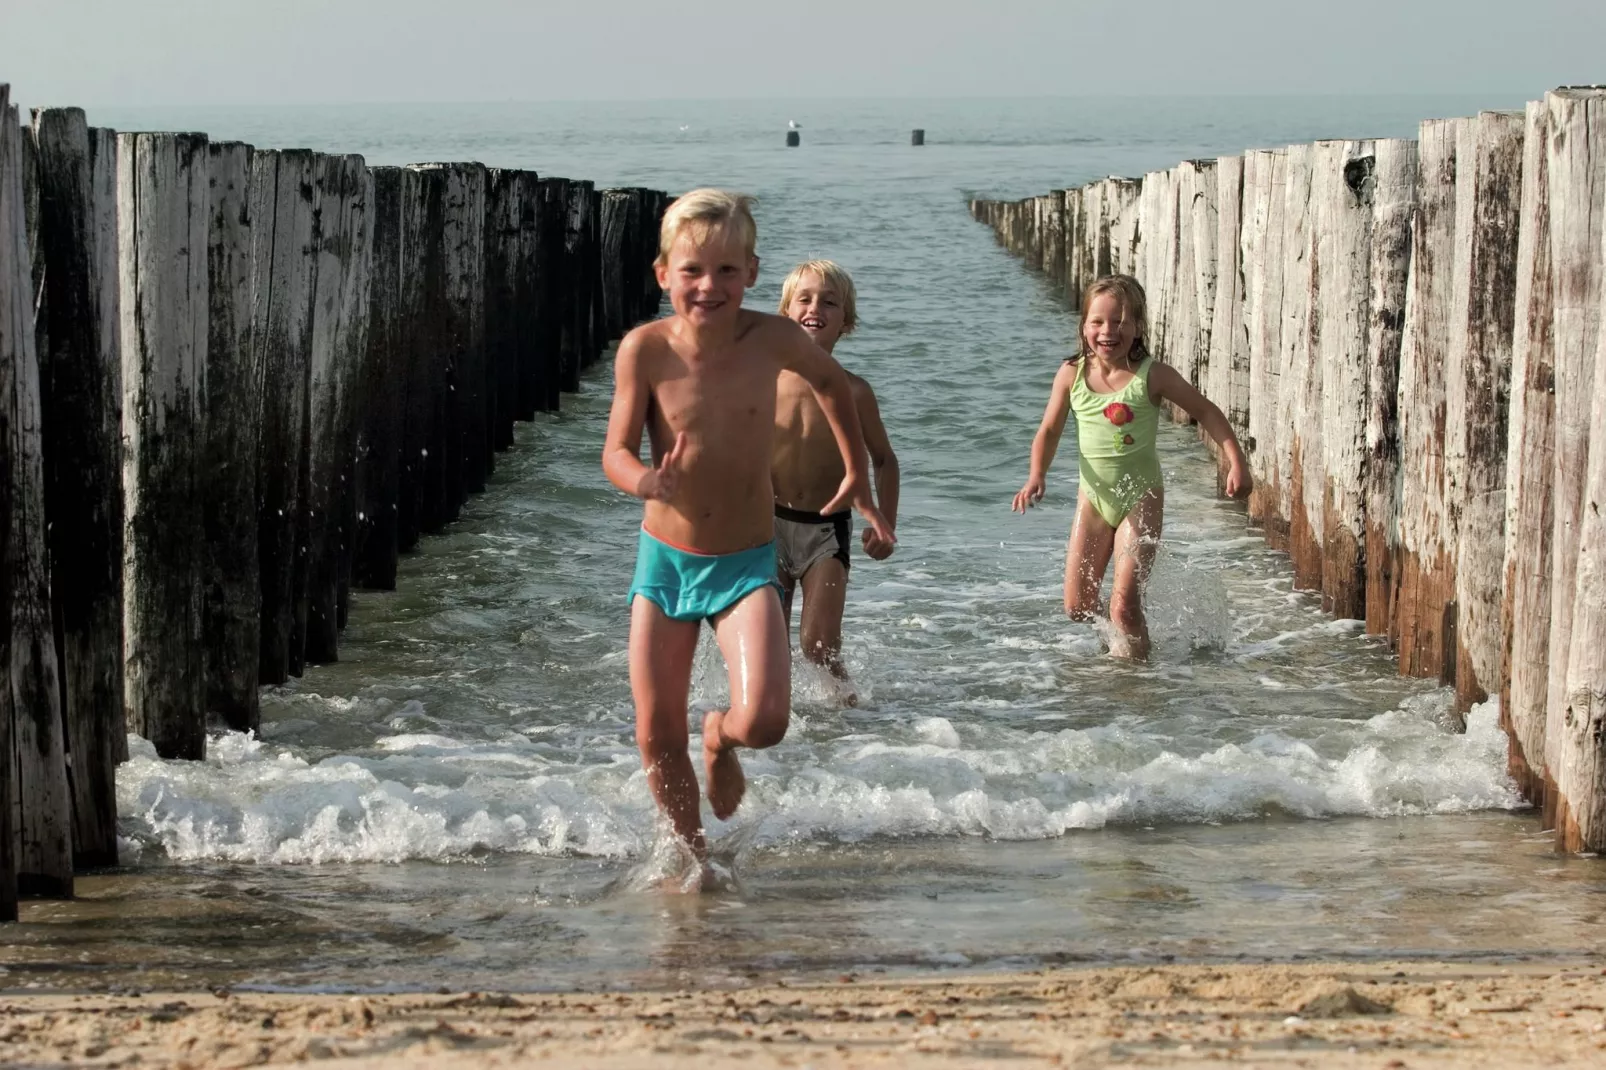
[[504, 208], [1576, 169], [162, 222], [384, 384], [465, 238], [282, 206], [1122, 196], [1265, 176], [793, 139], [615, 252], [1051, 220], [1299, 404], [554, 278], [342, 243], [1342, 189], [30, 704], [421, 477], [1394, 187], [1477, 375], [80, 371], [1072, 205], [917, 136], [1227, 382], [574, 305], [530, 358], [231, 624], [1525, 613], [1194, 295], [1425, 598]]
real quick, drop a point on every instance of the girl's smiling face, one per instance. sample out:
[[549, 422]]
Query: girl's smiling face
[[1108, 332]]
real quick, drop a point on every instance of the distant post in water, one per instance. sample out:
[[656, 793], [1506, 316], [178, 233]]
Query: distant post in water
[[793, 139], [917, 136]]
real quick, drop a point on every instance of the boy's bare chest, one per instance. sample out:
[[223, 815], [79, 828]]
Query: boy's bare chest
[[731, 394]]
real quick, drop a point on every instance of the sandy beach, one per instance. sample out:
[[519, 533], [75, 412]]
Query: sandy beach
[[1381, 1016]]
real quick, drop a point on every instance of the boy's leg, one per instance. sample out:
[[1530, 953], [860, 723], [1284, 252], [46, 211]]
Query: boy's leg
[[661, 652], [1136, 545], [825, 596], [752, 636], [1086, 557]]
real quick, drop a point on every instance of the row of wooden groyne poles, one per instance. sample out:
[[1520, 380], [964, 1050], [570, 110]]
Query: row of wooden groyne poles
[[1407, 338], [234, 384]]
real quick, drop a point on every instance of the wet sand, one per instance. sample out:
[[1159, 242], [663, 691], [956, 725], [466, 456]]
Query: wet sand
[[1381, 1016]]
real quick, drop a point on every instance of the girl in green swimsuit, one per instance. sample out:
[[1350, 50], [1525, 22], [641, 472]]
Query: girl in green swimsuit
[[1115, 388]]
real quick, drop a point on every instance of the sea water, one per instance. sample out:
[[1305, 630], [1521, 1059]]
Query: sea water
[[459, 800]]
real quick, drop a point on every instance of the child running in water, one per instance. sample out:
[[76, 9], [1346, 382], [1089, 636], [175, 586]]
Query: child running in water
[[702, 384], [811, 542], [1115, 388]]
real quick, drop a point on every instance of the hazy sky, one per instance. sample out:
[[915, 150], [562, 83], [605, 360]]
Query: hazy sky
[[101, 52]]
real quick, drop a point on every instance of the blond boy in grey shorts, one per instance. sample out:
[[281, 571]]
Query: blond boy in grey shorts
[[811, 547]]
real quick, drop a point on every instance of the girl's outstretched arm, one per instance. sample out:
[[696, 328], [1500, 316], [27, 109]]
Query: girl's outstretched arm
[[1167, 383], [1047, 441]]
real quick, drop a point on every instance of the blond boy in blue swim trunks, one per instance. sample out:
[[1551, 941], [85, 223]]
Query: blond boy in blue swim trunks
[[701, 382], [1115, 389]]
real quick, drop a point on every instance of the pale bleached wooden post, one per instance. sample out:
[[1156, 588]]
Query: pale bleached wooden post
[[1161, 240], [384, 386], [1477, 375], [81, 413], [1122, 197], [1227, 382], [1393, 211], [30, 701], [1576, 170], [1342, 191], [1299, 404], [1073, 211], [1265, 176], [231, 622], [1525, 612], [162, 223], [1181, 305], [1052, 219], [1426, 582], [282, 205]]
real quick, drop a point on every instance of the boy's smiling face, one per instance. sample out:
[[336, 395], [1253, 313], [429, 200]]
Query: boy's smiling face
[[706, 279], [817, 307]]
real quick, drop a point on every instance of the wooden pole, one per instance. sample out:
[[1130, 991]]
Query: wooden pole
[[283, 265], [615, 228], [1298, 410], [384, 381], [422, 476], [1576, 169], [1227, 380], [162, 220], [504, 207], [39, 844], [1394, 191], [1525, 611], [81, 407], [1425, 599], [1072, 278], [1342, 189], [343, 240], [572, 307], [917, 136], [232, 605], [1265, 176], [553, 276], [530, 366], [1477, 375]]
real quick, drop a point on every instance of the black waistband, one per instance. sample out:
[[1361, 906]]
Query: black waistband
[[803, 516]]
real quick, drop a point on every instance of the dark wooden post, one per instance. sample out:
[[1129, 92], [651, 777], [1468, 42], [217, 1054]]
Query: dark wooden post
[[917, 136], [422, 477], [466, 242], [232, 610], [592, 313], [383, 388], [574, 304], [506, 194], [162, 209], [30, 705], [282, 203], [532, 369], [343, 240], [615, 254], [81, 393]]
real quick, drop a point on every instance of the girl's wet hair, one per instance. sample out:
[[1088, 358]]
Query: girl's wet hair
[[837, 277], [1129, 292], [703, 211]]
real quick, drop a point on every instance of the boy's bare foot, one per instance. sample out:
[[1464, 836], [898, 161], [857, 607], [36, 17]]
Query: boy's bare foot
[[726, 782]]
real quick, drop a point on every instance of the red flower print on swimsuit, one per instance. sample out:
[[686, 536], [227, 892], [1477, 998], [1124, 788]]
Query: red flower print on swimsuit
[[1118, 413]]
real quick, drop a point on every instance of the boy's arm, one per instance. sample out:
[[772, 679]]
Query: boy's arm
[[1166, 383], [621, 450], [798, 353], [883, 463], [1046, 442]]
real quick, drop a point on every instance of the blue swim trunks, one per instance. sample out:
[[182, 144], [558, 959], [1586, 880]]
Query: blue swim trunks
[[693, 586]]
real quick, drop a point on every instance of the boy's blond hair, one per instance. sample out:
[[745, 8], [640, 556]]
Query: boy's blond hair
[[834, 275], [704, 211]]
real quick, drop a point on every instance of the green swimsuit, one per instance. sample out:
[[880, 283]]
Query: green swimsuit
[[1115, 438]]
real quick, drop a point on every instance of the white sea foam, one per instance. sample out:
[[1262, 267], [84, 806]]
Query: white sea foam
[[430, 796]]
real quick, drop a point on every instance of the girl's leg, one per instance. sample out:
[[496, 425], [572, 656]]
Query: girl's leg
[[1136, 544], [1086, 558], [661, 653], [758, 657]]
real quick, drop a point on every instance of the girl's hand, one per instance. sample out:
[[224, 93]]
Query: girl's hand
[[1029, 495], [658, 485], [1238, 479]]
